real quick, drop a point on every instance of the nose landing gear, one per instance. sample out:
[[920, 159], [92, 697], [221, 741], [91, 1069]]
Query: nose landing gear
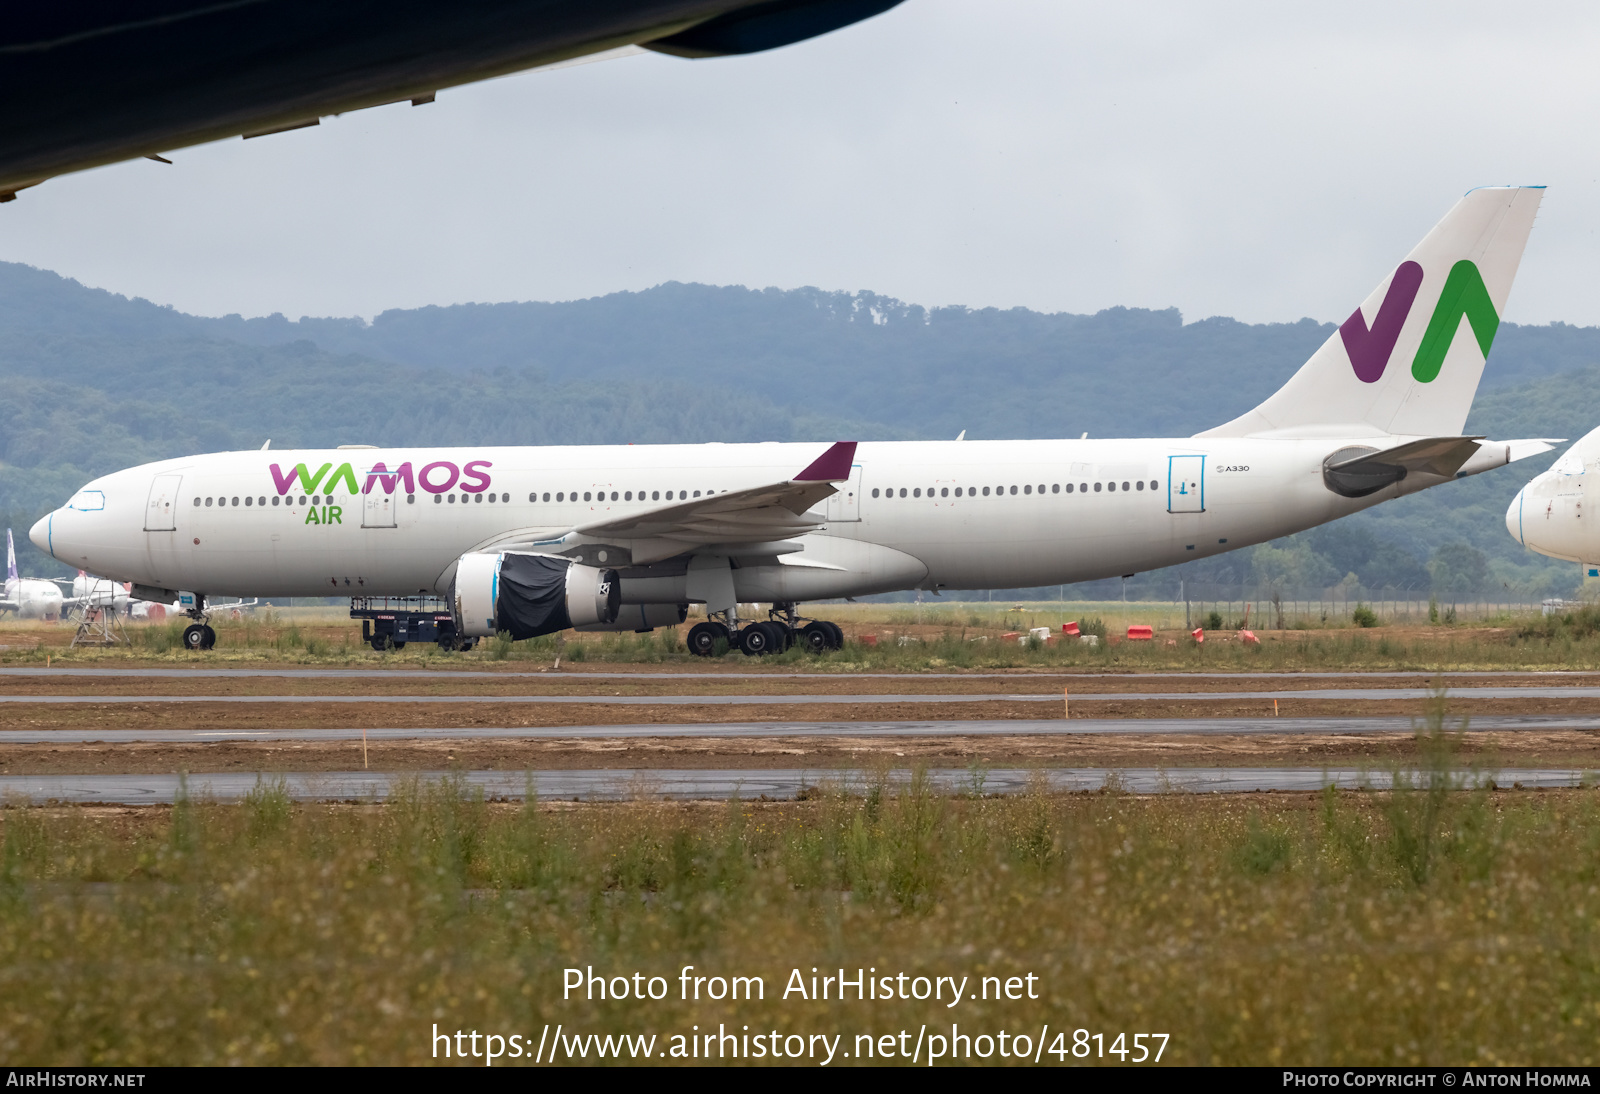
[[199, 636]]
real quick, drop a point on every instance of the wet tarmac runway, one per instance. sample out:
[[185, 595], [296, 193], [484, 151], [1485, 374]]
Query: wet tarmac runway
[[615, 785], [1506, 723], [1353, 694]]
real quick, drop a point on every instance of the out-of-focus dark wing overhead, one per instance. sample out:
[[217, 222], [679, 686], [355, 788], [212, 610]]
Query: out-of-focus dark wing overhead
[[92, 82]]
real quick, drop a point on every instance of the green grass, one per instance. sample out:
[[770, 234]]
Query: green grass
[[1254, 929], [909, 638]]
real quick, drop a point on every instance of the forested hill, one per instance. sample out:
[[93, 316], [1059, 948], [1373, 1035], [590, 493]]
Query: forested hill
[[96, 381]]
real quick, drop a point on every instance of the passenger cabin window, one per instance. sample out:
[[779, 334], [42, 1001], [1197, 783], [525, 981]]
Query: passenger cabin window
[[1141, 484], [248, 501], [917, 493], [1096, 488], [944, 491], [1028, 489], [1055, 488], [197, 501], [411, 499], [1125, 486], [586, 495], [208, 503], [1154, 485], [1013, 489], [1069, 488], [985, 491]]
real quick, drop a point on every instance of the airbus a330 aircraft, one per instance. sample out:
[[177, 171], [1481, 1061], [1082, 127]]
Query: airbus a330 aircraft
[[533, 540]]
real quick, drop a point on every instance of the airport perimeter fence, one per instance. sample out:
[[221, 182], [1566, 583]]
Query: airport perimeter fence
[[1293, 609]]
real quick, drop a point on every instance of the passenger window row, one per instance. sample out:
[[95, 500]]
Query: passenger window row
[[1054, 488], [440, 499], [315, 499], [626, 495]]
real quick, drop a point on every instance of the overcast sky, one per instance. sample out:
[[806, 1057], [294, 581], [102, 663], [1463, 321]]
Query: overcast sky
[[1261, 160]]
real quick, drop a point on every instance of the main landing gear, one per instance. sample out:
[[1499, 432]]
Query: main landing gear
[[773, 635]]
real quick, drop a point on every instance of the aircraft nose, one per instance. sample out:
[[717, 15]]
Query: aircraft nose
[[39, 534], [1514, 518]]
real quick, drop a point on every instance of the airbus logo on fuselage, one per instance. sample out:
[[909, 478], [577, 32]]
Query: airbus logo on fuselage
[[434, 478]]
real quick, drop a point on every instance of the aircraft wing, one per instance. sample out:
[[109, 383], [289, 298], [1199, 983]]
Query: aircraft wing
[[758, 516]]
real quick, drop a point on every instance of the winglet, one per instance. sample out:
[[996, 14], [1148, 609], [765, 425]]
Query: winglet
[[832, 466]]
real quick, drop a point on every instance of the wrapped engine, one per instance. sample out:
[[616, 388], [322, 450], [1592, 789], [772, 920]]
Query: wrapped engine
[[530, 595]]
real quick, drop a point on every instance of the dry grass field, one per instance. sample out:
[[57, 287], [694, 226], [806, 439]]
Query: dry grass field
[[1353, 928]]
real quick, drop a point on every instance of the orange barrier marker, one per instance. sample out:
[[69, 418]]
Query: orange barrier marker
[[1274, 708], [869, 640], [1199, 635], [1139, 632], [1070, 629]]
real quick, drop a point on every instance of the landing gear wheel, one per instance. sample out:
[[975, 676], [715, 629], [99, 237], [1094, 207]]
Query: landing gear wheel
[[194, 637], [838, 635], [382, 642], [817, 638], [782, 636], [703, 638], [757, 640]]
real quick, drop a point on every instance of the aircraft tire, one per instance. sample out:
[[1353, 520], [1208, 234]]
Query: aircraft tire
[[836, 633], [816, 637], [756, 640], [703, 637], [208, 638], [194, 637], [782, 637]]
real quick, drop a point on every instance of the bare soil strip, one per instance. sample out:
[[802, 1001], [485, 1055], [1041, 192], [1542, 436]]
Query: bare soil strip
[[399, 684], [1578, 749]]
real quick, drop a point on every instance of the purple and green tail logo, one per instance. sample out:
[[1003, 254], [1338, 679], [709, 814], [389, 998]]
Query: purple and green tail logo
[[1464, 297]]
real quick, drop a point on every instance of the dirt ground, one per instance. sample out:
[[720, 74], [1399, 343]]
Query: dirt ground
[[1577, 749], [46, 683]]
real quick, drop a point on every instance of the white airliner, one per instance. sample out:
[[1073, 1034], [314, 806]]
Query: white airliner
[[1547, 515], [533, 540]]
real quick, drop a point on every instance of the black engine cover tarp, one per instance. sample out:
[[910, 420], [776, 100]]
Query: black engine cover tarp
[[532, 598]]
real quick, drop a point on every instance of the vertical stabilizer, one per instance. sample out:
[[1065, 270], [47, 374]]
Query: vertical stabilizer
[[1407, 362]]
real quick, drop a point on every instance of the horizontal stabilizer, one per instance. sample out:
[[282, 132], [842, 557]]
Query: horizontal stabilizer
[[1358, 471]]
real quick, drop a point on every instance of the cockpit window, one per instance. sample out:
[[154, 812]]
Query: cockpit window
[[87, 501]]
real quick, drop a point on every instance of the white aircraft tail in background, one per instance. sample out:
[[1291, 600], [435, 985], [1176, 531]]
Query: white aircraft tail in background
[[29, 597]]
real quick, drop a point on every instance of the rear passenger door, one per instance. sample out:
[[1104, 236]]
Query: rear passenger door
[[1186, 484]]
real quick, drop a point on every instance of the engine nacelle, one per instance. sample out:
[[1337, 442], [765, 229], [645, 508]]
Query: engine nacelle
[[641, 618], [530, 595]]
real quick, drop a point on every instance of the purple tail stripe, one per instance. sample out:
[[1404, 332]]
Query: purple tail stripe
[[1369, 350]]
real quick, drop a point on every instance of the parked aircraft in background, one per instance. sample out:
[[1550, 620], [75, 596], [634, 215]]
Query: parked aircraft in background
[[29, 597], [532, 540], [1547, 515], [109, 82]]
